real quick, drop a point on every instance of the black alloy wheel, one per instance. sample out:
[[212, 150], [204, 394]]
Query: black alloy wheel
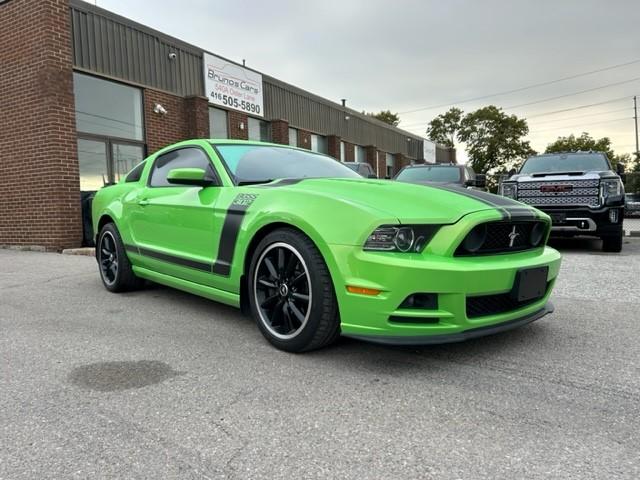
[[282, 290], [108, 258]]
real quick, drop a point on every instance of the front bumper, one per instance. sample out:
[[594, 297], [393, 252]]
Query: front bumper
[[585, 221], [453, 279], [461, 336]]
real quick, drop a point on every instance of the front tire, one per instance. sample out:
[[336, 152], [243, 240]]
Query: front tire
[[291, 294], [612, 243], [114, 266]]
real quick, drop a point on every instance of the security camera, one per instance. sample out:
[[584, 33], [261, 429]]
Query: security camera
[[172, 56], [159, 109]]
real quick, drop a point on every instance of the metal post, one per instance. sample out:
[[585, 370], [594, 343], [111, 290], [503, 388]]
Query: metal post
[[635, 118]]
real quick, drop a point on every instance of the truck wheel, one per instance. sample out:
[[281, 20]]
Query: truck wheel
[[612, 243]]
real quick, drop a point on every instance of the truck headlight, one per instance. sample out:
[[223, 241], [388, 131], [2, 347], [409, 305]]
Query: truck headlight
[[401, 238], [509, 190], [610, 187]]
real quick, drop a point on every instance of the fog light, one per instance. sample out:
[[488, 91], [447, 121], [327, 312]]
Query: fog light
[[613, 216], [425, 301]]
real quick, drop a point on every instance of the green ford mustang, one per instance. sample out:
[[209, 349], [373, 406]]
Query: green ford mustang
[[313, 250]]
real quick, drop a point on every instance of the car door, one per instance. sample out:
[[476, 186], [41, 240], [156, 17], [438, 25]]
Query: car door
[[174, 227]]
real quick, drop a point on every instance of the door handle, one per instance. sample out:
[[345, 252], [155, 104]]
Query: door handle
[[143, 202]]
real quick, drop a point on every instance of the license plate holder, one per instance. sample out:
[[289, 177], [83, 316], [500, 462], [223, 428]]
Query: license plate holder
[[530, 284]]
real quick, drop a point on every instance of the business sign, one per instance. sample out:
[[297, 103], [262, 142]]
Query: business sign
[[232, 86], [429, 151]]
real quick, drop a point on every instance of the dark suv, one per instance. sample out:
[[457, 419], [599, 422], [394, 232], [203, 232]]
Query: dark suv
[[579, 190], [462, 175]]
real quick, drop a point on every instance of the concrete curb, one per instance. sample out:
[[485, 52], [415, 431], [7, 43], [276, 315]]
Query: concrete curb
[[85, 251]]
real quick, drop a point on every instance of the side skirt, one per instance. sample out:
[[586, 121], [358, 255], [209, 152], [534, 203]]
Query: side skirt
[[211, 293]]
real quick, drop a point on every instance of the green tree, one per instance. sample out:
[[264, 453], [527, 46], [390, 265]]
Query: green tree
[[444, 128], [585, 143], [386, 116], [494, 140]]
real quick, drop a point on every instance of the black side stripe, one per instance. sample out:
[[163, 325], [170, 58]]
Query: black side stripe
[[226, 248], [165, 257], [230, 231], [228, 238]]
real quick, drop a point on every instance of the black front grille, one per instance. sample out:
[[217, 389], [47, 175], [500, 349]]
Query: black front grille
[[502, 237], [484, 305]]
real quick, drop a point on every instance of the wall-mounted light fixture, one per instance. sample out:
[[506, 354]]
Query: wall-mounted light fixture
[[173, 56], [159, 109], [241, 126], [347, 117]]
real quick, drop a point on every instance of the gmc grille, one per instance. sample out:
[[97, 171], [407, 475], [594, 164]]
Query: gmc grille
[[579, 193]]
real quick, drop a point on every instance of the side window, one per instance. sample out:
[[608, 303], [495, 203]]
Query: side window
[[189, 157], [135, 174]]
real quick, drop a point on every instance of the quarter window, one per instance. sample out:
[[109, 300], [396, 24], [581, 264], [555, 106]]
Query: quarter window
[[181, 158]]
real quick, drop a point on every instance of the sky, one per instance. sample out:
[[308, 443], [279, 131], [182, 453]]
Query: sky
[[405, 55]]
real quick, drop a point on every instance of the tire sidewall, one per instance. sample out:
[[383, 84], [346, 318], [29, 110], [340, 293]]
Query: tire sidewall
[[305, 336], [110, 228]]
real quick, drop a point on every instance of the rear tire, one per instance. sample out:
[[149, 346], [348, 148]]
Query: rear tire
[[291, 294], [113, 264], [612, 243]]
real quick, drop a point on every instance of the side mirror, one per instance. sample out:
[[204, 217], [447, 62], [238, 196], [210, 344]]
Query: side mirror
[[481, 180], [188, 176], [619, 168], [512, 172], [372, 175]]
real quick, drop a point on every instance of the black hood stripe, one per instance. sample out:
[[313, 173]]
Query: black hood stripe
[[510, 209]]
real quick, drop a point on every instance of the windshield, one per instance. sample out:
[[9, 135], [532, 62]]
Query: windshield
[[565, 163], [262, 163], [430, 174]]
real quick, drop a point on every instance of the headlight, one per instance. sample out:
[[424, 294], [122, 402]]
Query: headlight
[[611, 187], [509, 190], [401, 238]]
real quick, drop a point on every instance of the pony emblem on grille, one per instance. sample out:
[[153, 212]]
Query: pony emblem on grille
[[512, 236]]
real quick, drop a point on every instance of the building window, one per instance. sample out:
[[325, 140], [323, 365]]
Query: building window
[[319, 144], [110, 130], [342, 159], [107, 108], [359, 154], [293, 137], [218, 123], [259, 130]]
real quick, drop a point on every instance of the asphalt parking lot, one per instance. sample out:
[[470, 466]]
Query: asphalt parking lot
[[161, 384]]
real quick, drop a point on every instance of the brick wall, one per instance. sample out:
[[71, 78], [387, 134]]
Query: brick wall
[[238, 125], [370, 153], [197, 116], [39, 181], [400, 161], [304, 139], [333, 146], [381, 165], [280, 132], [186, 118], [349, 152]]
